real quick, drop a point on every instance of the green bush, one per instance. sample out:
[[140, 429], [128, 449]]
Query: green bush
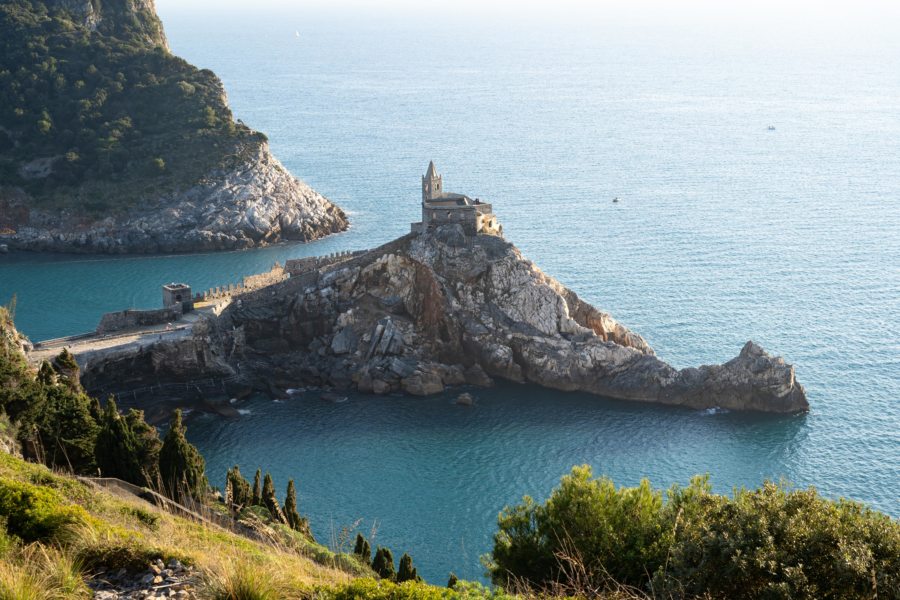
[[772, 542], [371, 589], [36, 513]]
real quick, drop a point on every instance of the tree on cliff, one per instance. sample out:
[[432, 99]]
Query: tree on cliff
[[68, 370], [383, 563], [270, 501], [294, 520], [180, 464], [362, 549], [239, 488], [147, 445], [407, 572], [116, 447], [256, 498]]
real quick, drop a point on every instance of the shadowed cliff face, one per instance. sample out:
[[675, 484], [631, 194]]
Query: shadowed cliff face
[[441, 309]]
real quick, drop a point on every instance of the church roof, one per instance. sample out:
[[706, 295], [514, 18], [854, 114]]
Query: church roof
[[431, 172]]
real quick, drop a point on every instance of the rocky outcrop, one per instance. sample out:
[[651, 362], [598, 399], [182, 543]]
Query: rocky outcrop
[[255, 204], [115, 16], [443, 309]]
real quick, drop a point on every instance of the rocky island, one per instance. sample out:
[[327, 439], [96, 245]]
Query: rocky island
[[111, 144], [452, 303]]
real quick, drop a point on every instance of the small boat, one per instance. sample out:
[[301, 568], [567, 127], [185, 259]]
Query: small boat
[[771, 128], [615, 200], [297, 33]]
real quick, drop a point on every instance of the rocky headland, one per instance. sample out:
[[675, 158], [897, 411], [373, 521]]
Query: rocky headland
[[111, 144], [251, 204], [428, 311]]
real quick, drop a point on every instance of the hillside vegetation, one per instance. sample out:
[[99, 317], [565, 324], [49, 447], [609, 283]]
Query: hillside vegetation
[[97, 115], [590, 539]]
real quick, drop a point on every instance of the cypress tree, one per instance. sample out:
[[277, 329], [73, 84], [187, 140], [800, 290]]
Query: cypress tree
[[147, 445], [451, 583], [46, 375], [180, 464], [116, 448], [270, 501], [68, 370], [383, 563], [240, 488], [294, 520], [256, 498], [362, 548], [406, 572]]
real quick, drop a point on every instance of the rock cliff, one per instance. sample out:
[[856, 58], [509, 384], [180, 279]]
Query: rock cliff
[[442, 309], [254, 203]]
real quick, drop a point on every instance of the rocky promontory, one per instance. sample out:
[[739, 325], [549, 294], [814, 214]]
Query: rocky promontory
[[433, 310], [111, 144], [254, 203]]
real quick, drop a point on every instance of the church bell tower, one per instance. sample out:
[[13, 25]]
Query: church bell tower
[[432, 185]]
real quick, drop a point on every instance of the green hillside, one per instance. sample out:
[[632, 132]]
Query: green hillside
[[99, 115]]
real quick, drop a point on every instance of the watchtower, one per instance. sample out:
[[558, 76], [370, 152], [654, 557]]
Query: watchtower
[[178, 293], [432, 184]]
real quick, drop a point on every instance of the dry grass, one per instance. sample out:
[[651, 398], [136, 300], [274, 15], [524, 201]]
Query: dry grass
[[118, 533], [38, 572]]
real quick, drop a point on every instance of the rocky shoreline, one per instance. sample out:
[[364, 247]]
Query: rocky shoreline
[[435, 310], [256, 204]]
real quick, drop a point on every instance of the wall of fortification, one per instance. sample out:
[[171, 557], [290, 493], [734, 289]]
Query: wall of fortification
[[130, 319]]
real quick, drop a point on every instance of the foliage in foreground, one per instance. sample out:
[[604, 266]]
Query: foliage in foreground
[[55, 422], [772, 542]]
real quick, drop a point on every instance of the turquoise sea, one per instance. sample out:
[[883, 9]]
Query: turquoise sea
[[724, 231]]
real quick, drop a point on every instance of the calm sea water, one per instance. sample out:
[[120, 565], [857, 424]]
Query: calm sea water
[[725, 231]]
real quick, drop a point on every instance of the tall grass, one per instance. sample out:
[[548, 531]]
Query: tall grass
[[38, 572], [241, 579]]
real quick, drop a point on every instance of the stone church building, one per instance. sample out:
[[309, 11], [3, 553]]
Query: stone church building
[[441, 208]]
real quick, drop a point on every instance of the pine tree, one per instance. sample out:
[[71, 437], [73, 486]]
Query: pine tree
[[406, 572], [180, 464], [116, 448], [256, 498], [362, 548], [383, 563], [451, 583], [270, 501]]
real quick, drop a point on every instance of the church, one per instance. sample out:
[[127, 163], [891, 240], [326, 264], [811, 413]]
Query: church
[[442, 208]]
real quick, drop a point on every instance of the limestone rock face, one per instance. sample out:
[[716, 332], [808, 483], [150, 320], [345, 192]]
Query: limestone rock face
[[433, 310], [256, 204]]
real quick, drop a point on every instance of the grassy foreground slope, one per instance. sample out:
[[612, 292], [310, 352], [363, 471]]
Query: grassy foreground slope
[[94, 529]]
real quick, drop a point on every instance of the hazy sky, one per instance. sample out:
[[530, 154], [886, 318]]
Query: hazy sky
[[774, 11]]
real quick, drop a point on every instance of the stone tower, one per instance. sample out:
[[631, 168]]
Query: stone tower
[[432, 185]]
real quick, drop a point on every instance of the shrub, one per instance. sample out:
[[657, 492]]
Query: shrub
[[115, 554], [36, 513], [370, 589], [772, 542]]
